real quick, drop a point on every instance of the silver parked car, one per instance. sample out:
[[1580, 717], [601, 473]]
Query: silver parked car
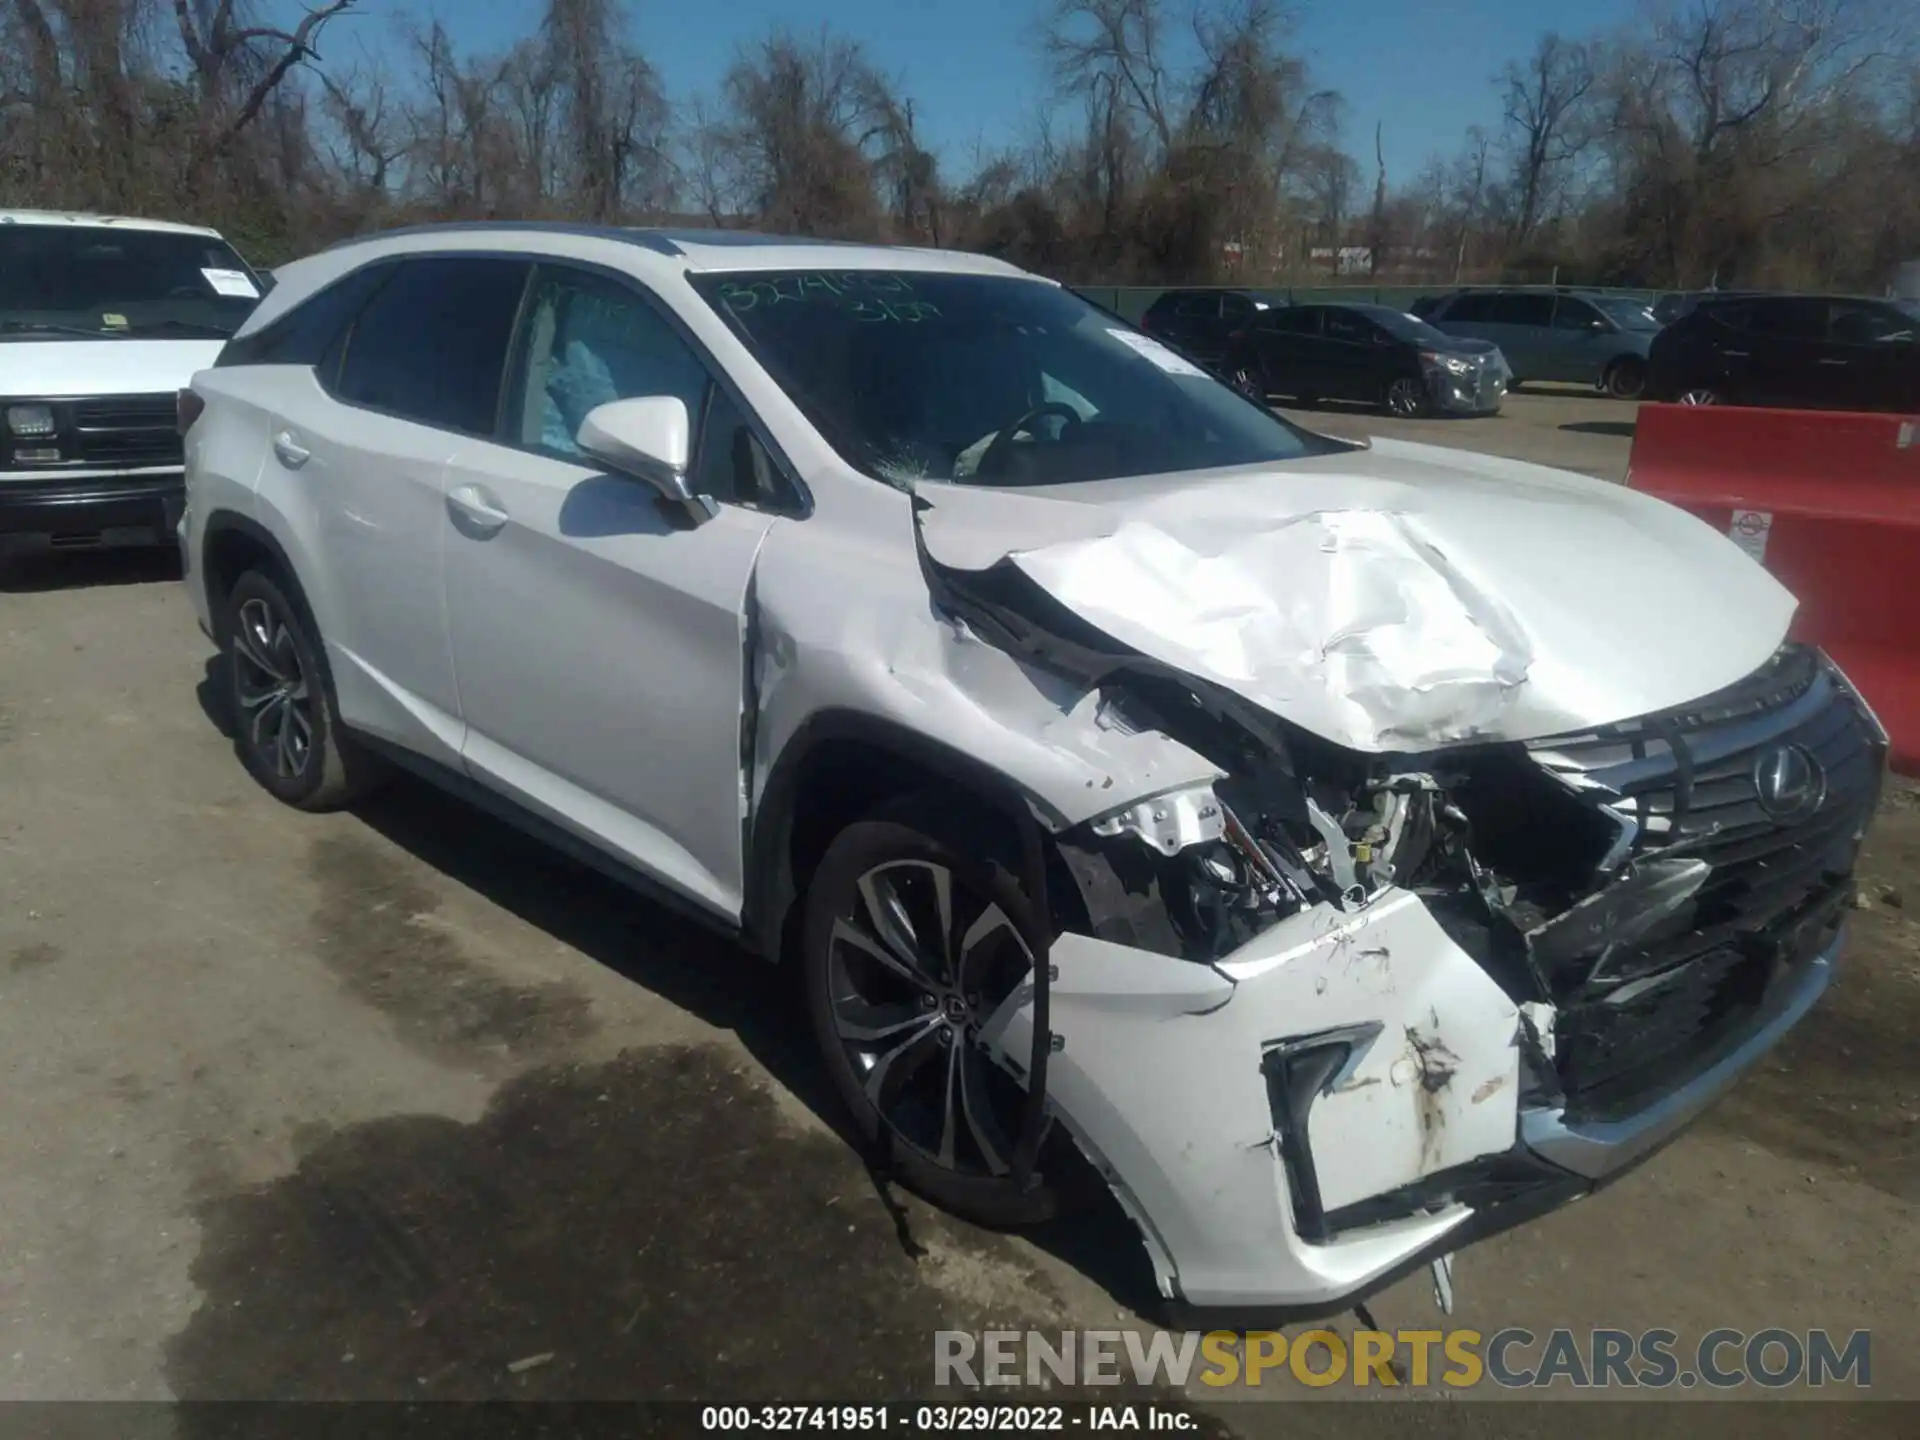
[[1556, 335], [1341, 853]]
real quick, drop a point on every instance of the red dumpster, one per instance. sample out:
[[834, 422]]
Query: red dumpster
[[1830, 503]]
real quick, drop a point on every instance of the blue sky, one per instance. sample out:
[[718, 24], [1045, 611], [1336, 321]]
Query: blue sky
[[1422, 68]]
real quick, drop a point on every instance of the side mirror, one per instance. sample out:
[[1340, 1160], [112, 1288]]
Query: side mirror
[[1600, 325], [648, 438]]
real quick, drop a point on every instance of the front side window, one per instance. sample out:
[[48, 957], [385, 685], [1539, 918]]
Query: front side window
[[1571, 314], [431, 345], [1348, 328], [591, 340], [103, 282], [988, 380], [1855, 323], [1293, 320]]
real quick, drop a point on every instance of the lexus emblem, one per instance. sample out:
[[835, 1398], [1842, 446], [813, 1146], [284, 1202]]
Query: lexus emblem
[[1789, 782]]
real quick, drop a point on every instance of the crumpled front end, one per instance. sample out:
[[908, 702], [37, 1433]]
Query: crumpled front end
[[1336, 1013]]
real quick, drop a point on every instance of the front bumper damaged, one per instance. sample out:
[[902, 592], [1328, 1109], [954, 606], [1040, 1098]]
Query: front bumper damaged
[[1334, 1104]]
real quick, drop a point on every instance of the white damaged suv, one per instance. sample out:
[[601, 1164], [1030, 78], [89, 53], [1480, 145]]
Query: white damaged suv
[[1343, 853]]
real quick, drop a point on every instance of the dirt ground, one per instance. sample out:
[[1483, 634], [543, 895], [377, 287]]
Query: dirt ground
[[376, 1105]]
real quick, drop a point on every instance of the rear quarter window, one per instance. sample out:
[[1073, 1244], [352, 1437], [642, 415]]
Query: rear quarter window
[[305, 333]]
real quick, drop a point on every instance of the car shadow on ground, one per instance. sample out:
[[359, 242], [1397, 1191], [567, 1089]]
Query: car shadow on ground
[[51, 570], [1623, 428], [681, 961]]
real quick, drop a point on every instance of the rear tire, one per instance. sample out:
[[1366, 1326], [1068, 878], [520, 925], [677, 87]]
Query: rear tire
[[1698, 395], [914, 929], [1626, 378], [280, 698]]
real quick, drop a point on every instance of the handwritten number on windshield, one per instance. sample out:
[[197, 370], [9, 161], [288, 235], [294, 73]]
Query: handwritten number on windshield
[[871, 296]]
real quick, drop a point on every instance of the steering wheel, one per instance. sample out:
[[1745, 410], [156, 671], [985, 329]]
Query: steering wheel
[[997, 448]]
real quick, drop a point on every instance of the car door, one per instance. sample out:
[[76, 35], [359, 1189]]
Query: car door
[[1350, 364], [1472, 315], [1788, 359], [1288, 341], [597, 632], [1580, 343], [359, 452], [1194, 326], [1237, 312], [1870, 356], [1522, 326]]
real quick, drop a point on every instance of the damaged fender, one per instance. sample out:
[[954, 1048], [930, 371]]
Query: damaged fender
[[1192, 1143], [876, 645]]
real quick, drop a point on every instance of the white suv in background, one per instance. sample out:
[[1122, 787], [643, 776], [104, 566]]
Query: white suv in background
[[102, 320], [1408, 840]]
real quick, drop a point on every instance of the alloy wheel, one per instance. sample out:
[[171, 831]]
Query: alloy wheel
[[1405, 398], [921, 972], [1699, 397], [272, 688]]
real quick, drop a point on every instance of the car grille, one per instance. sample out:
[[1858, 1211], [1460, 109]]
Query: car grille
[[1686, 784], [126, 430], [118, 431]]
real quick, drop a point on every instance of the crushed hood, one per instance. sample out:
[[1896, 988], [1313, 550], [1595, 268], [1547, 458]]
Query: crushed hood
[[1396, 598]]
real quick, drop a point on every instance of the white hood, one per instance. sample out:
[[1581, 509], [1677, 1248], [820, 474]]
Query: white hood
[[74, 369], [1396, 598]]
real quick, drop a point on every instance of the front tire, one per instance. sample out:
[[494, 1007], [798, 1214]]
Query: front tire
[[286, 722], [1626, 378], [1405, 398], [915, 934]]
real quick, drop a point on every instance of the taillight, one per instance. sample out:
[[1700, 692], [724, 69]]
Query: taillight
[[186, 409]]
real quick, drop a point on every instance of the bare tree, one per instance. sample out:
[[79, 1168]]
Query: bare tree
[[1546, 130]]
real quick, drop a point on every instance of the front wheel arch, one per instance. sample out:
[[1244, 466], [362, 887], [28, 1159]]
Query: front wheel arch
[[839, 767]]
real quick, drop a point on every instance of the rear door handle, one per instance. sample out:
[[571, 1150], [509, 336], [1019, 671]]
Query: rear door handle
[[1833, 362], [480, 510], [291, 452], [1737, 354]]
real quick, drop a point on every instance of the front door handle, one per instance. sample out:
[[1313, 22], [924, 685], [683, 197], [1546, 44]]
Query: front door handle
[[1833, 362], [476, 510], [1737, 354], [291, 452]]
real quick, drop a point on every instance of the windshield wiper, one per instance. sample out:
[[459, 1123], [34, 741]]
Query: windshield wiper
[[42, 327], [195, 327]]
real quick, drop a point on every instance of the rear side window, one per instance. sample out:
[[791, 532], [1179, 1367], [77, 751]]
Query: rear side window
[[1857, 323], [303, 334], [1236, 307], [1470, 307], [1789, 319], [432, 345], [1199, 307], [1522, 310]]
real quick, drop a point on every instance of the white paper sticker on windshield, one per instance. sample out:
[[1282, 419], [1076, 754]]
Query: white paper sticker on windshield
[[236, 283], [1156, 352]]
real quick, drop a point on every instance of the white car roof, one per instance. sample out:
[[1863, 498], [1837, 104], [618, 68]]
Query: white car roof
[[680, 250], [101, 222], [659, 255]]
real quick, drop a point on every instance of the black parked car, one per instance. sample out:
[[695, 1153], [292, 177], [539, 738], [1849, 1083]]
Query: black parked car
[[1197, 322], [1801, 351], [1370, 353]]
